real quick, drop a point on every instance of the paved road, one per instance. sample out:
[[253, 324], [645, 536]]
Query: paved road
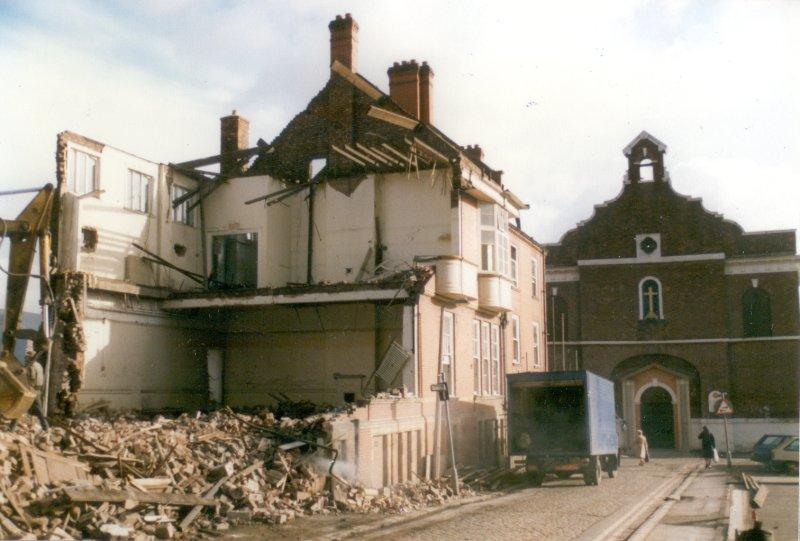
[[557, 510]]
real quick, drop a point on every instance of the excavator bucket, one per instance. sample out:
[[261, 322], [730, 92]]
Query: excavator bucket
[[16, 397]]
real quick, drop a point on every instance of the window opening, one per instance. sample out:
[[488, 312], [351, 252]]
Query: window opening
[[181, 214], [513, 263], [495, 360], [234, 260], [476, 357], [515, 344], [137, 191], [448, 349], [82, 172], [756, 313], [494, 239], [535, 349], [485, 360]]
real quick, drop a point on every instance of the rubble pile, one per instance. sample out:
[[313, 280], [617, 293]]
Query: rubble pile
[[129, 477]]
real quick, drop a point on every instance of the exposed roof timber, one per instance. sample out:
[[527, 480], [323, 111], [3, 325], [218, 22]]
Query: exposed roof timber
[[396, 152], [349, 156], [378, 154], [245, 153], [416, 142], [392, 118], [363, 155], [356, 80], [277, 193]]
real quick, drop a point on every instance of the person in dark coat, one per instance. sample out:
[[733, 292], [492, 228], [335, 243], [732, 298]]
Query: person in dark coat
[[709, 444]]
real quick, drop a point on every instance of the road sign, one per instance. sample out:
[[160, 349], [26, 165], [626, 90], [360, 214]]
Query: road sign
[[724, 407]]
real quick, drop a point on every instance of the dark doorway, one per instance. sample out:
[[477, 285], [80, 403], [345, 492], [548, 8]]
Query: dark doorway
[[658, 423]]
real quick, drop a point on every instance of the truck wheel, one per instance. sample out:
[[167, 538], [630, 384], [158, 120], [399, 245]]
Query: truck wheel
[[593, 472], [536, 478]]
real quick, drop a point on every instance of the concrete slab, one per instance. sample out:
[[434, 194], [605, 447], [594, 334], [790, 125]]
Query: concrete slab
[[701, 514]]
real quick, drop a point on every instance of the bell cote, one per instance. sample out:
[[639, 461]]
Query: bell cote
[[645, 159]]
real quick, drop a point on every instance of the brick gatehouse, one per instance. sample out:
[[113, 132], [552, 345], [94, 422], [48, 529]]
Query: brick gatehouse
[[674, 302]]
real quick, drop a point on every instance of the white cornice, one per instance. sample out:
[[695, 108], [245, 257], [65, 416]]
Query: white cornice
[[650, 260], [555, 275], [362, 295], [762, 265], [790, 338]]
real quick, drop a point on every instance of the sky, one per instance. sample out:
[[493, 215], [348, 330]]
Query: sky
[[552, 91]]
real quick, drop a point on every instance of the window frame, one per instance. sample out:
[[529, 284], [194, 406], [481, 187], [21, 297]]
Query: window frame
[[536, 352], [640, 297], [513, 263], [516, 344], [448, 350], [485, 358], [476, 357], [494, 239], [72, 164], [534, 278], [129, 195], [188, 215], [495, 360]]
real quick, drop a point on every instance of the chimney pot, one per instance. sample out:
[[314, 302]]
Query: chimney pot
[[475, 152], [344, 40]]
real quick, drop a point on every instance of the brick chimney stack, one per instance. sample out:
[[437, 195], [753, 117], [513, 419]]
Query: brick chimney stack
[[234, 135], [404, 85], [344, 40], [474, 152], [425, 93]]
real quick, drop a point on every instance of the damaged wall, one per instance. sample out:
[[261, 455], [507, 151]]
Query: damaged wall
[[297, 351]]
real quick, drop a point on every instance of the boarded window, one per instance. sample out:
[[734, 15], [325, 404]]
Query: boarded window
[[513, 263], [535, 350], [756, 313], [234, 260], [534, 277]]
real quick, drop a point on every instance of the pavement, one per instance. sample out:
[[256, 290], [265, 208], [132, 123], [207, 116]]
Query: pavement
[[780, 511]]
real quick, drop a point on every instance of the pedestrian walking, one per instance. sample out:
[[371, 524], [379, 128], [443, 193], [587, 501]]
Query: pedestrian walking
[[641, 448], [708, 444]]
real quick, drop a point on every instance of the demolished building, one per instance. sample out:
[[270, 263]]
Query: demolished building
[[354, 259]]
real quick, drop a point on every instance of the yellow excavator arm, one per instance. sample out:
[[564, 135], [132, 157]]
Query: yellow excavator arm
[[29, 229]]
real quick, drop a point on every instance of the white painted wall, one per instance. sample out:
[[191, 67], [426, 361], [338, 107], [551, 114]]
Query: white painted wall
[[743, 433], [119, 227], [143, 362]]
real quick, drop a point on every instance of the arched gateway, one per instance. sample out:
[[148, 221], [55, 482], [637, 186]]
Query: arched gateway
[[657, 394]]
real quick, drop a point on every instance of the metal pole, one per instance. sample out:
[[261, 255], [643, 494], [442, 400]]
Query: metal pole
[[563, 340], [452, 447], [45, 300], [727, 443], [437, 442], [20, 191]]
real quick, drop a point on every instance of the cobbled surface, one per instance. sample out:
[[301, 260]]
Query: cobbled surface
[[560, 509]]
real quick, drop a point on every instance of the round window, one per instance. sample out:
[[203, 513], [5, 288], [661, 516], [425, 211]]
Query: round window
[[648, 245]]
